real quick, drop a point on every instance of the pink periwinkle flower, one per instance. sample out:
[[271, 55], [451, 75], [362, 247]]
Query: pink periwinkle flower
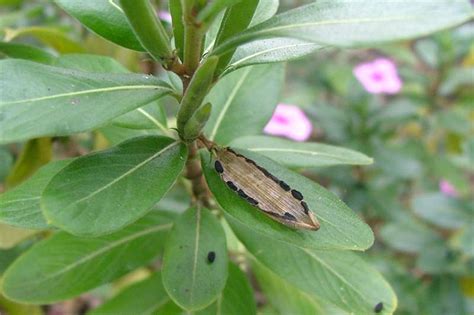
[[447, 188], [164, 16], [291, 122], [379, 76]]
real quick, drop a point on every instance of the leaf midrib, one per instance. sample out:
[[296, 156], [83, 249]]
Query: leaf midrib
[[96, 253], [130, 171], [90, 91], [313, 153], [230, 99]]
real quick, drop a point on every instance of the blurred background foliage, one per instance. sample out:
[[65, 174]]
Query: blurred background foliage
[[417, 196]]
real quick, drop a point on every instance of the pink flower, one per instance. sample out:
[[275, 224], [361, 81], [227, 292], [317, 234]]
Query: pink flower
[[289, 121], [164, 16], [379, 76], [447, 188]]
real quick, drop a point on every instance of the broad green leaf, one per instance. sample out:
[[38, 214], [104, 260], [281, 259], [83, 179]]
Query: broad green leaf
[[296, 154], [64, 266], [115, 134], [235, 98], [150, 116], [270, 51], [104, 191], [349, 23], [190, 279], [142, 298], [237, 297], [22, 51], [340, 228], [90, 63], [441, 210], [464, 240], [408, 236], [288, 299], [265, 10], [20, 206], [337, 277], [6, 162], [11, 236], [49, 36], [73, 101], [35, 154], [456, 78], [105, 18]]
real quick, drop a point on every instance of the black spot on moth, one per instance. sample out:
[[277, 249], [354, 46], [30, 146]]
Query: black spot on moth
[[289, 216], [218, 167], [242, 194], [378, 307], [284, 186], [231, 185], [211, 256], [252, 201], [297, 194], [305, 207]]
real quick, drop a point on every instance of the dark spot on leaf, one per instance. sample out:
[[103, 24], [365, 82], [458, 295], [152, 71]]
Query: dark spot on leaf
[[378, 307], [231, 185], [284, 186], [305, 207], [218, 167], [211, 256], [242, 194], [297, 194], [289, 216]]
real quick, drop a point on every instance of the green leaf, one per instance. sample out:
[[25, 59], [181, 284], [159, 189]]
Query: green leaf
[[270, 51], [296, 154], [20, 206], [347, 23], [150, 116], [49, 36], [237, 297], [11, 236], [73, 101], [115, 134], [22, 51], [90, 63], [142, 298], [64, 266], [234, 99], [407, 236], [337, 277], [190, 279], [35, 154], [340, 228], [265, 10], [19, 309], [235, 20], [282, 295], [441, 210], [456, 78], [464, 240], [142, 18], [104, 18], [104, 191]]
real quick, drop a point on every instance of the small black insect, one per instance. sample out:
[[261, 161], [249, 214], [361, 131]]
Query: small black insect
[[211, 256], [218, 167], [378, 307]]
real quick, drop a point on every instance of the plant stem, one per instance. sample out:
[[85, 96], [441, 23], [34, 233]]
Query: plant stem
[[200, 190], [193, 37]]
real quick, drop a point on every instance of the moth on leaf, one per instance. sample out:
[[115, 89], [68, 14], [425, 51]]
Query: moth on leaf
[[261, 189]]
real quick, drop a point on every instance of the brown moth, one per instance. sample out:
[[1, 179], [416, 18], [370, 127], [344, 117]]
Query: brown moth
[[263, 190]]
